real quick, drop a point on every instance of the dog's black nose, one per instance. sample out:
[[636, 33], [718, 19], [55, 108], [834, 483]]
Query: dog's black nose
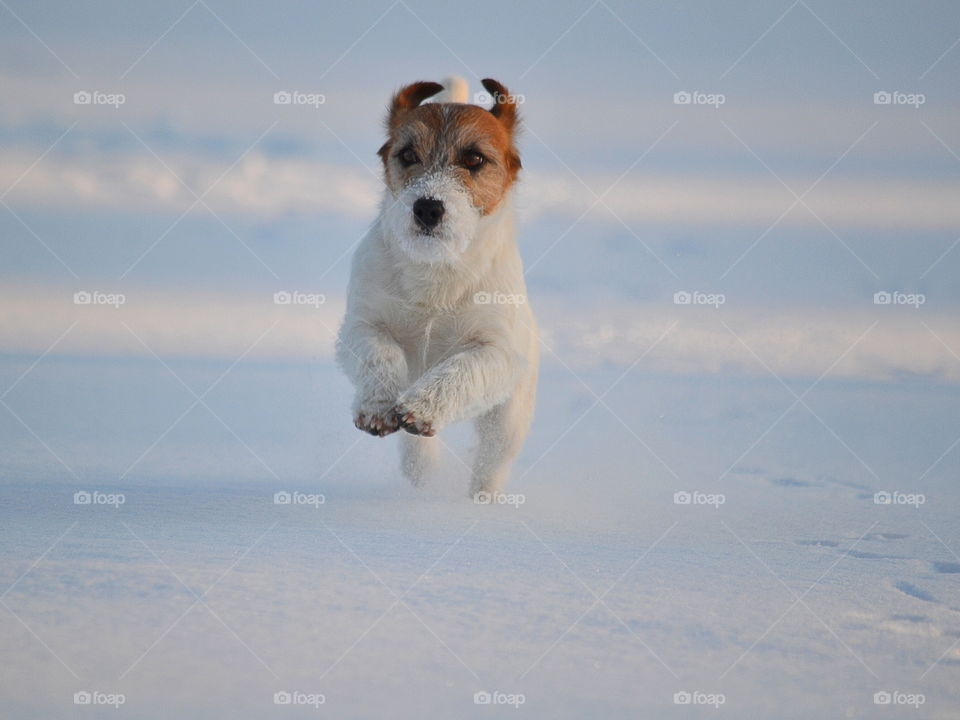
[[428, 212]]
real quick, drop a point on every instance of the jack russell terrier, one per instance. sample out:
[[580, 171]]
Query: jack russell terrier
[[437, 327]]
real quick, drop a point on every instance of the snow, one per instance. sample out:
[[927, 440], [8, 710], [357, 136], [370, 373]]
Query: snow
[[597, 596]]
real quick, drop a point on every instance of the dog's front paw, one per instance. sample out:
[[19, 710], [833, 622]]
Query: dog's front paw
[[376, 419], [413, 422]]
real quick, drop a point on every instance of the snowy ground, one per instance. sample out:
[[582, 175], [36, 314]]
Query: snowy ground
[[599, 596], [818, 199]]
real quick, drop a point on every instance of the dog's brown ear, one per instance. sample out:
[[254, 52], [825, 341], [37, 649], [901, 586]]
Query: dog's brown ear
[[505, 110], [504, 104], [409, 97]]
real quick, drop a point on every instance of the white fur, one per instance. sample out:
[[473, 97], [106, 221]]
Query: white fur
[[416, 339], [451, 238], [455, 90]]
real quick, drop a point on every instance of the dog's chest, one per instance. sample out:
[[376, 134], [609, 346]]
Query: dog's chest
[[427, 338]]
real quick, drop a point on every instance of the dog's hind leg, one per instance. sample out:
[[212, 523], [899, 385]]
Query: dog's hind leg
[[502, 431], [417, 456]]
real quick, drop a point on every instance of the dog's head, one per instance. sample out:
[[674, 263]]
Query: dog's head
[[447, 166]]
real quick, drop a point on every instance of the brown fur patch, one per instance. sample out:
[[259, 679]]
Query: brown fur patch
[[440, 134]]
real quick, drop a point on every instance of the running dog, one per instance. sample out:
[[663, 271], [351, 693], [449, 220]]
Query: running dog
[[437, 327]]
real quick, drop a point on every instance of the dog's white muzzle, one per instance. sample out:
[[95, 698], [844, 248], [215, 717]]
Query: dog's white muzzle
[[427, 239]]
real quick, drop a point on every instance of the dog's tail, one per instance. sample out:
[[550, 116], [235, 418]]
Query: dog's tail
[[455, 90]]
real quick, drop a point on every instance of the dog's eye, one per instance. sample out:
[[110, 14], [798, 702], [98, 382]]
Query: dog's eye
[[472, 159], [408, 157]]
